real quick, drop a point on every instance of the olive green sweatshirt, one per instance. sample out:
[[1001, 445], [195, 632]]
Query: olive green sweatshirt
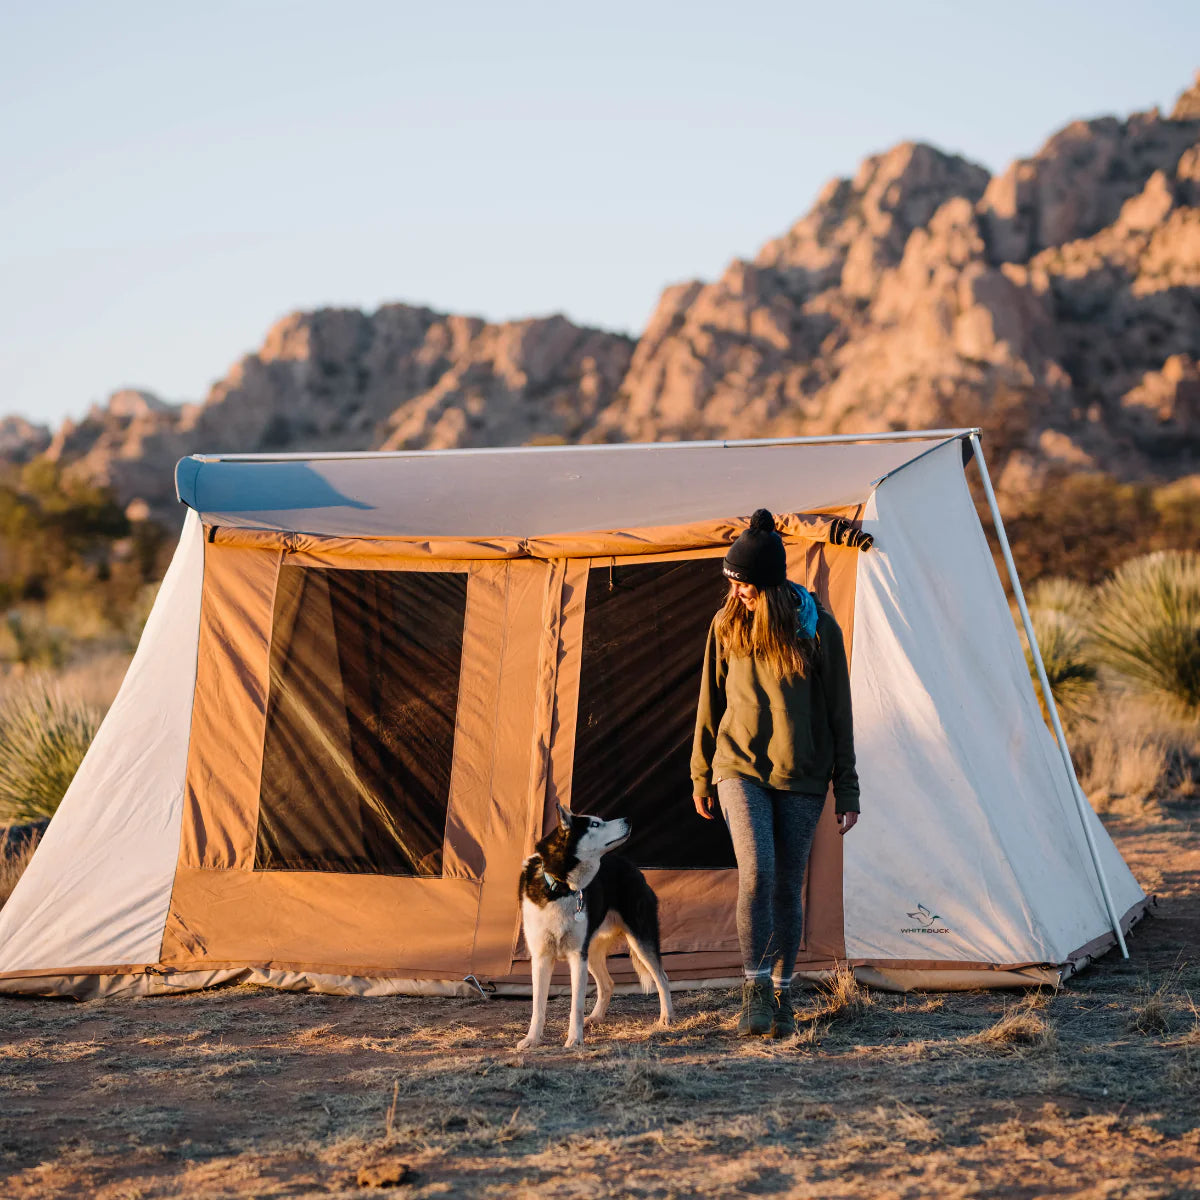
[[794, 734]]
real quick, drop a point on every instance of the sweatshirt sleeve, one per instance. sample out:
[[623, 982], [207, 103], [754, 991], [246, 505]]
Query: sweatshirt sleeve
[[835, 680], [709, 712]]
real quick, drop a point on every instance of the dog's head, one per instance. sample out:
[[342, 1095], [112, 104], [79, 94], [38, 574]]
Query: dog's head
[[589, 837]]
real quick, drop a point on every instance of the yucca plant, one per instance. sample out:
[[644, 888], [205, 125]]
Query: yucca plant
[[1147, 627], [14, 858], [44, 735], [1067, 657], [1068, 596]]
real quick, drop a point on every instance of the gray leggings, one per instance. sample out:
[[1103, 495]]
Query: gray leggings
[[772, 835]]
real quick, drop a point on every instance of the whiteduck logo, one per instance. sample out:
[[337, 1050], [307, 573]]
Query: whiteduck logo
[[927, 922]]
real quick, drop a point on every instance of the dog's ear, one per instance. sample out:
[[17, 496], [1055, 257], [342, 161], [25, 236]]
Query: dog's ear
[[564, 817]]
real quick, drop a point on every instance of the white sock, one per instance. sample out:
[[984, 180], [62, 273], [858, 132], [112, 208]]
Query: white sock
[[758, 976], [782, 985]]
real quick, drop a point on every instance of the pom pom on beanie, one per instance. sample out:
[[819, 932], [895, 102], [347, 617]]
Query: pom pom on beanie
[[757, 555], [761, 521]]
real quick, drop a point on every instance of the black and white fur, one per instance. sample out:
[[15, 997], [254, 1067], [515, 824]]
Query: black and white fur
[[575, 905]]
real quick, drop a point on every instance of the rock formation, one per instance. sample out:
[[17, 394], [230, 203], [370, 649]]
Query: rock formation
[[1057, 305]]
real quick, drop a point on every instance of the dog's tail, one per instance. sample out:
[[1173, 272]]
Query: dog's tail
[[643, 971]]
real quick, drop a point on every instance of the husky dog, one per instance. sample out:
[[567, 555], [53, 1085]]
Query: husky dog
[[575, 904]]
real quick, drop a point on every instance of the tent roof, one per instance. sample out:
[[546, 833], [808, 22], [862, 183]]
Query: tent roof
[[536, 491]]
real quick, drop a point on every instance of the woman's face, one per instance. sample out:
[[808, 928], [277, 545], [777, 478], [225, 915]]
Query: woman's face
[[747, 593]]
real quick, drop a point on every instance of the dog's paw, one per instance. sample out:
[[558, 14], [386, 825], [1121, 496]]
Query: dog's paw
[[591, 1021], [573, 1041], [528, 1042]]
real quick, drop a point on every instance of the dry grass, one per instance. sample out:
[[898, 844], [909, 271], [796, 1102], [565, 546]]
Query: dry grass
[[96, 679], [1159, 1006], [1132, 756], [249, 1092], [1022, 1026], [840, 997]]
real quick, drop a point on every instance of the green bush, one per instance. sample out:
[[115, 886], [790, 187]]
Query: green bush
[[1067, 657], [33, 643], [1086, 525], [1147, 627], [44, 735], [1056, 594]]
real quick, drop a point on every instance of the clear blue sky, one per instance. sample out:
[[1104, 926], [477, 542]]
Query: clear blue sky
[[174, 178]]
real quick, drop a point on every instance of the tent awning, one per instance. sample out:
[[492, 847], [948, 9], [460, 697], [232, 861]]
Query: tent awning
[[538, 491]]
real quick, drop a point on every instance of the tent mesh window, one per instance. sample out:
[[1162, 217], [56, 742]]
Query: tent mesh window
[[643, 649], [364, 674]]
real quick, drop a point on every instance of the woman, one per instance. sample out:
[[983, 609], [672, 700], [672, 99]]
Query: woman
[[773, 728]]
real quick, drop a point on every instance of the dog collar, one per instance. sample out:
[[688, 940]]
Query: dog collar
[[560, 889], [560, 886]]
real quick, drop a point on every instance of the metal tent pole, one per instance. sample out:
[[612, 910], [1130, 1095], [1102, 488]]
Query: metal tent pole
[[1081, 803]]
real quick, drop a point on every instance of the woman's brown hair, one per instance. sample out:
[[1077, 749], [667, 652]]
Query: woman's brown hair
[[769, 632]]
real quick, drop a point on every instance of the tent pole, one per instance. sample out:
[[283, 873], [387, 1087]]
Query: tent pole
[[1081, 803]]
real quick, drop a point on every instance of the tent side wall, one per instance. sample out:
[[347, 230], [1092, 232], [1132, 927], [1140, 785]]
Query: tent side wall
[[953, 747], [95, 894]]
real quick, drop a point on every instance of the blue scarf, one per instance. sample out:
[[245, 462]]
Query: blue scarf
[[806, 612]]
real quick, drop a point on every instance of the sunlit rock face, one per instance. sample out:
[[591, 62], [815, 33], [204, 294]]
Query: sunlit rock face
[[1057, 305]]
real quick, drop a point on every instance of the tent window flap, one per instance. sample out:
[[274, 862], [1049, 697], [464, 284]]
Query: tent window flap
[[364, 673], [639, 681]]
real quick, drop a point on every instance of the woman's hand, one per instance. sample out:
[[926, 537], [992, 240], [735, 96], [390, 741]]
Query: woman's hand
[[846, 821], [706, 806]]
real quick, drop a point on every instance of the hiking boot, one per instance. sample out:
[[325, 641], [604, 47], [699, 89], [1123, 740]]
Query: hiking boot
[[757, 1009], [784, 1024]]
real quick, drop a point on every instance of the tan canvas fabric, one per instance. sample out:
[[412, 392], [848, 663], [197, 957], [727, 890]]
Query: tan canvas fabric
[[305, 549], [229, 713], [566, 692], [104, 985], [529, 623], [221, 908], [322, 921], [830, 572], [468, 812], [698, 907]]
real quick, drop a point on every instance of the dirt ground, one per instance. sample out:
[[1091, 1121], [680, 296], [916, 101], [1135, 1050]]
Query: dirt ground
[[1092, 1091]]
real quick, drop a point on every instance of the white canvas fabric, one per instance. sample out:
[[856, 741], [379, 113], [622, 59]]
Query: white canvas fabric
[[97, 890], [532, 492], [971, 847]]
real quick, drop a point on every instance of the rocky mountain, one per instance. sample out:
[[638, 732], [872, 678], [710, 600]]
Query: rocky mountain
[[1057, 305], [340, 379]]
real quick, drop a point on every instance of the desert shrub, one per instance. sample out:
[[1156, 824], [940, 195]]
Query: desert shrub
[[1085, 525], [32, 642], [1066, 655], [1067, 596], [138, 614], [76, 614], [14, 858], [44, 734], [1147, 627]]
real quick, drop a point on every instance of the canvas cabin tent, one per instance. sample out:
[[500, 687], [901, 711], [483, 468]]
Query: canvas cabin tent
[[368, 678]]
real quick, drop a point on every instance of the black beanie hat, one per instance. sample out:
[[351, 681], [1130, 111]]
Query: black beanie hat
[[757, 556]]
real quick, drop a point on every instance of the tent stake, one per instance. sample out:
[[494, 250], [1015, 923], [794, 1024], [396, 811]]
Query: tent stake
[[1081, 803]]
